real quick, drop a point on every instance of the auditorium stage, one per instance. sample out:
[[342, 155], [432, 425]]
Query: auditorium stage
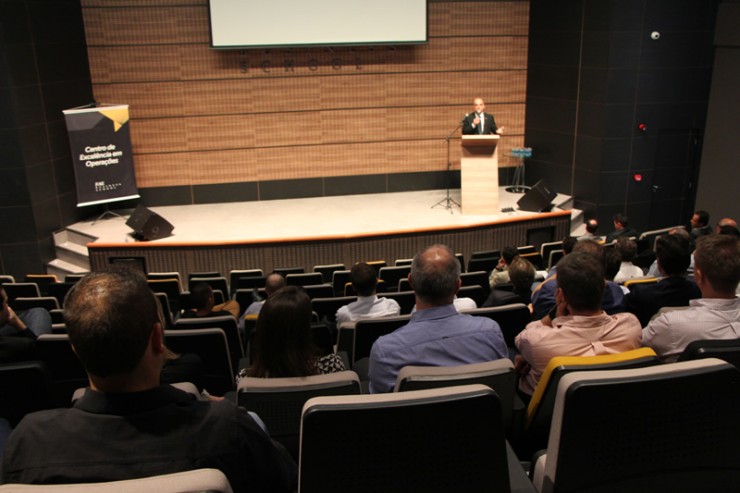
[[306, 232]]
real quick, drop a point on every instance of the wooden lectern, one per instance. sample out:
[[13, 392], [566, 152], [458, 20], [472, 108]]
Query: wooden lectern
[[479, 174]]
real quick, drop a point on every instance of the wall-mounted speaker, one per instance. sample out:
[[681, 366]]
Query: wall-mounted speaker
[[537, 199], [148, 225]]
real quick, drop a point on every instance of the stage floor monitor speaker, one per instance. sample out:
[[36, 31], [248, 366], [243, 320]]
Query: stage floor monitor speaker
[[148, 225], [537, 199]]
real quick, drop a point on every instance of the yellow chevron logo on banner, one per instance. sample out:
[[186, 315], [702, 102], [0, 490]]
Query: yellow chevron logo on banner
[[118, 116]]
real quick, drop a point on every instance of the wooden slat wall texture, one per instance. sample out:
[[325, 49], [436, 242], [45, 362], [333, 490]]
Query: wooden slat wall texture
[[201, 116], [223, 258]]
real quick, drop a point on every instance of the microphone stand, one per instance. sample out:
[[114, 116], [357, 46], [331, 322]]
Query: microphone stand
[[447, 202]]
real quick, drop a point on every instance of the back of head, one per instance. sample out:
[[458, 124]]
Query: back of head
[[591, 247], [581, 277], [729, 230], [434, 275], [592, 225], [509, 253], [673, 254], [201, 296], [612, 263], [283, 339], [622, 220], [109, 317], [627, 249], [718, 259], [364, 278], [521, 274], [702, 218], [568, 243], [273, 282]]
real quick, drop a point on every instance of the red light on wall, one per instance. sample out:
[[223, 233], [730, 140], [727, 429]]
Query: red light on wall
[[642, 127], [637, 177]]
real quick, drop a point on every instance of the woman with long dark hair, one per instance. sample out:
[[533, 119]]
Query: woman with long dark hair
[[283, 340]]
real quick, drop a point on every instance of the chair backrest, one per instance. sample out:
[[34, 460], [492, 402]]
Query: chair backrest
[[554, 257], [212, 346], [251, 282], [164, 304], [498, 375], [73, 278], [478, 278], [284, 271], [42, 280], [670, 427], [438, 440], [59, 290], [486, 264], [403, 261], [48, 303], [209, 273], [24, 388], [156, 276], [485, 254], [279, 401], [477, 293], [404, 285], [512, 319], [304, 279], [539, 411], [640, 280], [652, 235], [319, 290], [326, 308], [170, 287], [237, 274], [391, 276], [217, 284], [65, 370], [15, 290], [405, 299], [6, 278], [525, 249], [339, 278], [724, 349], [535, 258], [227, 323], [327, 270], [549, 246], [357, 341], [195, 481]]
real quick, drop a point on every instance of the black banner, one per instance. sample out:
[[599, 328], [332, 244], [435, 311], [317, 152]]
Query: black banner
[[101, 153]]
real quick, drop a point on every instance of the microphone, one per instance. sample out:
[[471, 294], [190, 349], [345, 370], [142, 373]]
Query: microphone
[[463, 118]]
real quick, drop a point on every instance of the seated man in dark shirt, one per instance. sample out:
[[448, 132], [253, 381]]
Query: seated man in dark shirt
[[674, 258], [127, 425], [204, 304], [16, 337], [521, 274]]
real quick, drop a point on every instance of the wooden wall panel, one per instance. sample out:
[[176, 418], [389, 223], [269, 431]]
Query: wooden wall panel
[[202, 116]]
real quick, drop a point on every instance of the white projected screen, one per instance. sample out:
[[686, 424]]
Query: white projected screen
[[273, 23]]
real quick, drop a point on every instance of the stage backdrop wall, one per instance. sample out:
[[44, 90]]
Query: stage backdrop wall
[[241, 125]]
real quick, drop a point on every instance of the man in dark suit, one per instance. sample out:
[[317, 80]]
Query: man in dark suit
[[621, 229], [674, 289], [479, 122]]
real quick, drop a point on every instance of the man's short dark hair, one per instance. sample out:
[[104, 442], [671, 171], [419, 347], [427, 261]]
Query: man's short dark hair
[[200, 293], [612, 263], [109, 317], [432, 282], [627, 249], [509, 253], [592, 225], [521, 274], [718, 258], [621, 219], [581, 277], [592, 247], [729, 230], [702, 217], [568, 243], [364, 278], [673, 254]]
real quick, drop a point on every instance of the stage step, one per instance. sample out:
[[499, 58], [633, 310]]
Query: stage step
[[577, 226], [72, 256]]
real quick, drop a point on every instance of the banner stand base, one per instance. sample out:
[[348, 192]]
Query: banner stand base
[[106, 214]]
